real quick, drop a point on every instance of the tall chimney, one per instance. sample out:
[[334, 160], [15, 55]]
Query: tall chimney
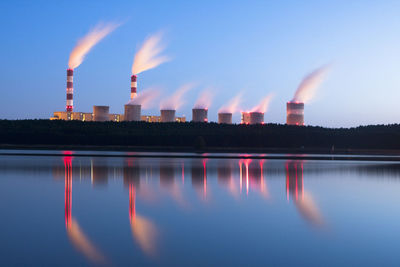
[[70, 90], [133, 86]]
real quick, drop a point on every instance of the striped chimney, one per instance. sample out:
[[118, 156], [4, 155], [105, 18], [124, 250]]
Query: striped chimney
[[70, 90], [133, 86]]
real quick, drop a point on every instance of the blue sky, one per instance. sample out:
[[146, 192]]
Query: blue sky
[[257, 47]]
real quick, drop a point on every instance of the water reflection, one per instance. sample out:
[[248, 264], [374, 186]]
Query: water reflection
[[199, 176], [75, 234], [143, 230], [167, 207], [302, 199]]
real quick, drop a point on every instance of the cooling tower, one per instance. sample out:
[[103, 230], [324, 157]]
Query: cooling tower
[[256, 117], [70, 90], [101, 113], [132, 112], [167, 115], [225, 118], [133, 86], [295, 113], [199, 115], [245, 117]]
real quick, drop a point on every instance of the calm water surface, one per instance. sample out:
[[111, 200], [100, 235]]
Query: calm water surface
[[72, 210]]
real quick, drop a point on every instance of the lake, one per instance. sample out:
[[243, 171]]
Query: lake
[[118, 209]]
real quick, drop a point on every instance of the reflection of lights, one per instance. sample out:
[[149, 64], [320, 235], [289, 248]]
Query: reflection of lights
[[74, 232], [240, 176], [183, 173], [305, 204], [143, 230], [132, 196], [82, 243], [205, 178]]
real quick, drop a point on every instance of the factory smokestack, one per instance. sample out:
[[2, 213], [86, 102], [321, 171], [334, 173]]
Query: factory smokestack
[[225, 113], [199, 115], [78, 54], [225, 118], [132, 112], [200, 109], [147, 57], [167, 115], [70, 91], [256, 117], [304, 93], [133, 86], [295, 113]]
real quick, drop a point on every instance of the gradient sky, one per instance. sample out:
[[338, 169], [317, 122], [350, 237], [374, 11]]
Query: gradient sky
[[256, 47]]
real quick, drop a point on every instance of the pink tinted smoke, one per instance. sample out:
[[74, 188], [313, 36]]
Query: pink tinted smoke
[[309, 85], [146, 98], [205, 99], [263, 105], [85, 44], [232, 105], [148, 56], [176, 100]]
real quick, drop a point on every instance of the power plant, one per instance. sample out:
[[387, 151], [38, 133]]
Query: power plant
[[101, 113], [256, 117], [199, 115], [295, 113], [148, 57], [167, 115], [225, 118], [132, 112], [133, 86], [70, 90], [245, 117]]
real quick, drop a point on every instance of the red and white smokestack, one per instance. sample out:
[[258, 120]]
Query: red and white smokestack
[[70, 90], [133, 86]]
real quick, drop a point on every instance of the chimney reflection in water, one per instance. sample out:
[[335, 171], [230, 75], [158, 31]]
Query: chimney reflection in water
[[199, 176], [303, 200], [75, 234], [251, 175], [144, 232]]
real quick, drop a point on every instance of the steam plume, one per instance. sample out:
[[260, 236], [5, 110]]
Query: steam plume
[[145, 98], [87, 42], [175, 101], [309, 85], [204, 100], [148, 56], [263, 106], [232, 106]]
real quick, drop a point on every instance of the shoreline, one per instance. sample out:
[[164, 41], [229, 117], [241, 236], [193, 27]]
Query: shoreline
[[212, 153]]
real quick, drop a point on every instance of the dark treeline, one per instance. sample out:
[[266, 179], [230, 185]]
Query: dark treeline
[[196, 135]]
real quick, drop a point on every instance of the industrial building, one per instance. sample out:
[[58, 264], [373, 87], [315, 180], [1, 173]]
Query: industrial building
[[245, 117], [295, 113], [199, 115], [82, 116], [225, 118], [256, 117], [102, 113]]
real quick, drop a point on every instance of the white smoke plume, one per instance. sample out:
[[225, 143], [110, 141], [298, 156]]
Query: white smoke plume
[[205, 99], [145, 98], [86, 43], [232, 105], [263, 106], [308, 87], [148, 56], [175, 101]]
